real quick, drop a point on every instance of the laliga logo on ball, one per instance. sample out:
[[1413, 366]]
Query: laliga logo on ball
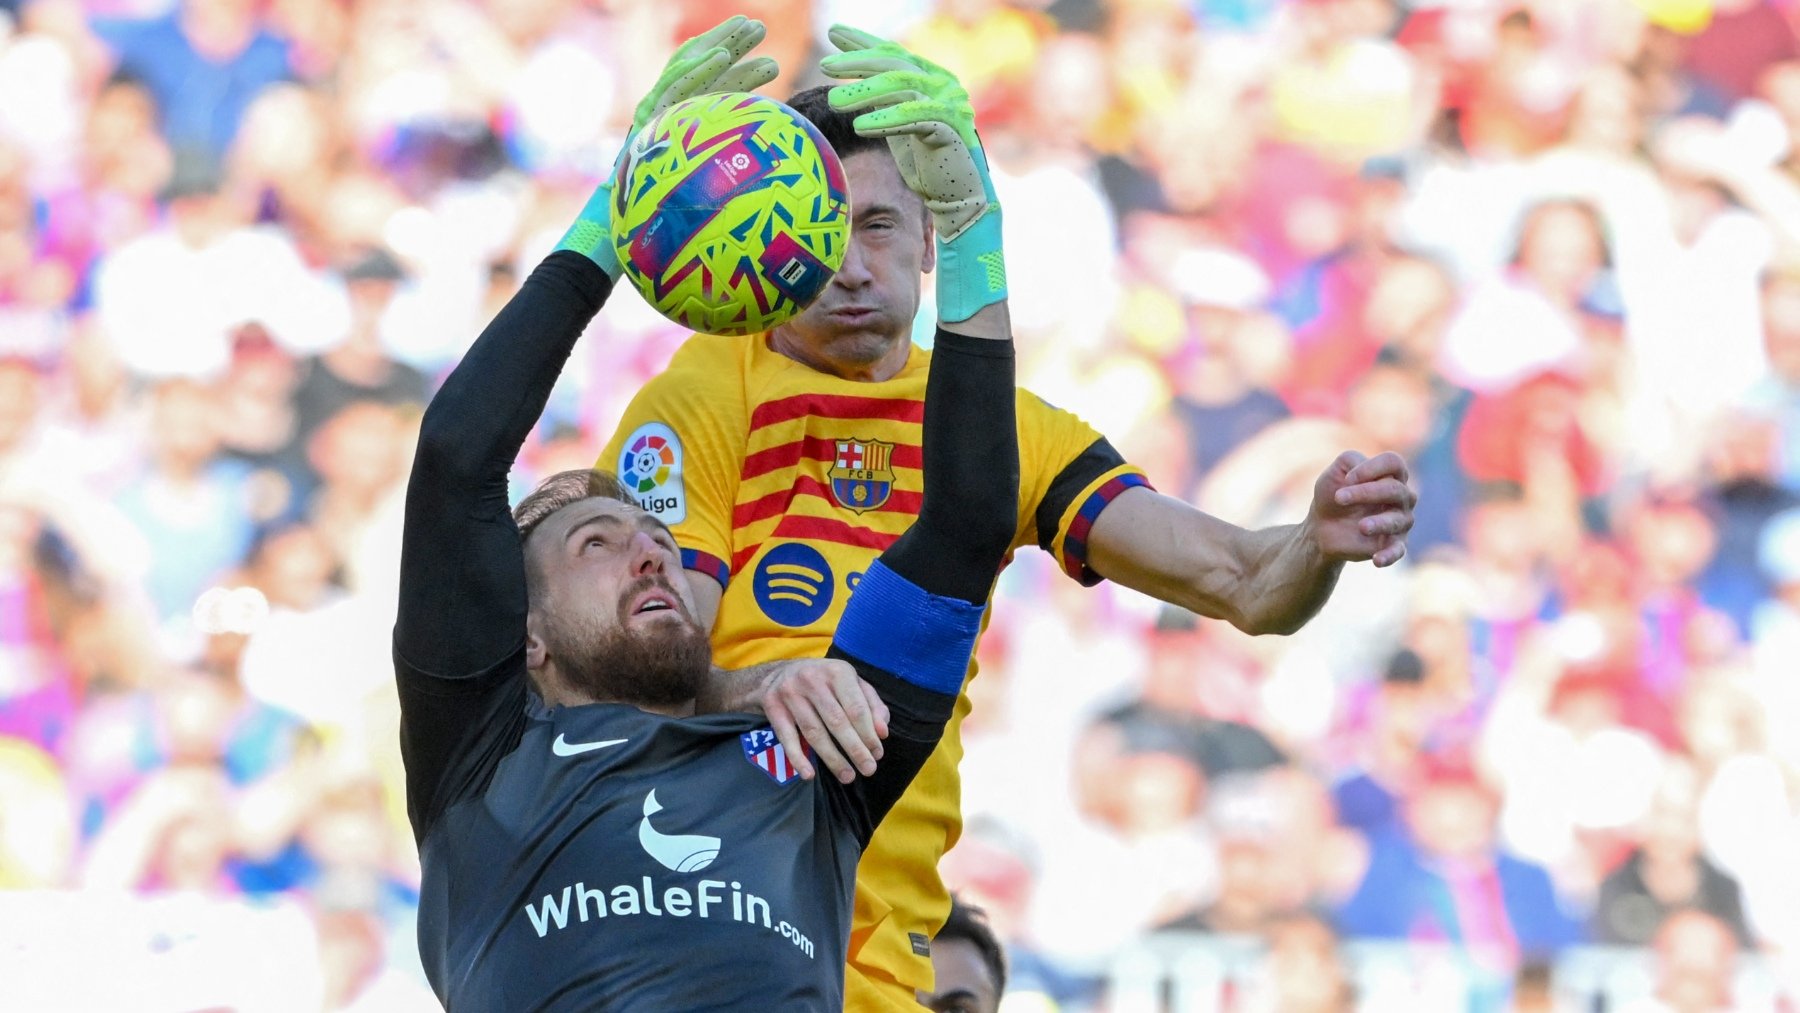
[[681, 852], [731, 214]]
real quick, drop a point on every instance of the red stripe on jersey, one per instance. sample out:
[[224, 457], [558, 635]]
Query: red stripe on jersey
[[821, 529], [836, 406], [827, 530], [776, 503], [817, 448]]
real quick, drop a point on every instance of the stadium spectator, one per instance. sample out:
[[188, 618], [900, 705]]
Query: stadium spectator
[[1696, 959], [1445, 878], [203, 62], [1303, 971], [1666, 873]]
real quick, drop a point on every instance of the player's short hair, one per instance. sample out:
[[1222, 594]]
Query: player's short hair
[[969, 924], [838, 128], [563, 488]]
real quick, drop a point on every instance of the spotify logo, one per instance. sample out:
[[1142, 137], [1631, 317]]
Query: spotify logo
[[793, 584]]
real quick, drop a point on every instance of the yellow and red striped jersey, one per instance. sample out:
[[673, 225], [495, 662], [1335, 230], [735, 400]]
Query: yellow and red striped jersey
[[783, 484]]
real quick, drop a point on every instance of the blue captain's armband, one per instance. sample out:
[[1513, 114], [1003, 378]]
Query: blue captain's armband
[[907, 631]]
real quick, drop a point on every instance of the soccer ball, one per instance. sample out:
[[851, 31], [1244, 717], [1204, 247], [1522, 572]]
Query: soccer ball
[[730, 213]]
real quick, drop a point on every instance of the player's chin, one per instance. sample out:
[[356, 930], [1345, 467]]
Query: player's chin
[[660, 621], [866, 340]]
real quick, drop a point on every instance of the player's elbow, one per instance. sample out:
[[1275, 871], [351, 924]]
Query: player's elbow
[[1270, 625]]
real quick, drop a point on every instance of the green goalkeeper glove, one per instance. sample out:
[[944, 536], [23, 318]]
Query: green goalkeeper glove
[[703, 65], [924, 113]]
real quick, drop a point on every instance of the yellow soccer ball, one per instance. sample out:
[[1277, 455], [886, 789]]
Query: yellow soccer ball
[[730, 213]]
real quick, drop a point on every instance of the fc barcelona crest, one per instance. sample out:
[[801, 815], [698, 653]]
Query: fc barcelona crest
[[861, 478]]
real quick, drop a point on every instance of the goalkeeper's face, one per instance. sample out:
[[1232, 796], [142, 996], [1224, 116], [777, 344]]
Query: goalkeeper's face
[[611, 614], [861, 324]]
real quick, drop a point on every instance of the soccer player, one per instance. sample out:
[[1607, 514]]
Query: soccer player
[[587, 841], [968, 963], [797, 460]]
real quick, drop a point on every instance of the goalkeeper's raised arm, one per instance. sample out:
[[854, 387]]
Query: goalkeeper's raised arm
[[911, 626]]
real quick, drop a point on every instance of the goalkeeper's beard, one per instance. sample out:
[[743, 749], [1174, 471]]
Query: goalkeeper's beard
[[662, 666]]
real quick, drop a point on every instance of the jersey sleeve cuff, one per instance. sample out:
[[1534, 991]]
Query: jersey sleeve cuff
[[1084, 511], [707, 563], [905, 630]]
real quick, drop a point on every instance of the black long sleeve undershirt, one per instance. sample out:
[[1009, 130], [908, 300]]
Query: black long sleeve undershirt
[[462, 567], [970, 505]]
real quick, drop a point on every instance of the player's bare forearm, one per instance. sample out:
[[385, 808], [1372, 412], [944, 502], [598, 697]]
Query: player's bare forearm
[[1284, 578], [740, 689], [992, 322], [1264, 581], [1268, 581]]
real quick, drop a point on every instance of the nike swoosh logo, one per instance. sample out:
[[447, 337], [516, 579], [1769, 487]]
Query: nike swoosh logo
[[563, 747]]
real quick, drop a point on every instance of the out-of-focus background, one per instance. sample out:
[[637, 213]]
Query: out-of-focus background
[[1549, 251]]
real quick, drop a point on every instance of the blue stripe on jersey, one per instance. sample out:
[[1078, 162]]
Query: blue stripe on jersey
[[903, 629]]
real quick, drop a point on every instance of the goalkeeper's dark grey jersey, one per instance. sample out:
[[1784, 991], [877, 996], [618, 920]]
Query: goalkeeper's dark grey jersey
[[601, 857]]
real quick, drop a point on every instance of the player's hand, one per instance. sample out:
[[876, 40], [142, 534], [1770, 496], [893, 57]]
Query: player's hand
[[925, 115], [823, 703], [710, 62], [1362, 508]]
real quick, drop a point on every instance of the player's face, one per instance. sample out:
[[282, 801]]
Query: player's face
[[614, 613], [861, 325], [964, 983]]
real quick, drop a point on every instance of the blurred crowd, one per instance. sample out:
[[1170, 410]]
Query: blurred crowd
[[1548, 250]]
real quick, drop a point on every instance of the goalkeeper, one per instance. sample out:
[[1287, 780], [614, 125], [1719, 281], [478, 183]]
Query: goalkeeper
[[796, 460]]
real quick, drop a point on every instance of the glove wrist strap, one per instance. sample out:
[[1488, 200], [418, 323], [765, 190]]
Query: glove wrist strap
[[971, 270], [591, 233]]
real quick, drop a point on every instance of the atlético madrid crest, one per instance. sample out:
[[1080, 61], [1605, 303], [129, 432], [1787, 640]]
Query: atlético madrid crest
[[769, 756], [861, 476]]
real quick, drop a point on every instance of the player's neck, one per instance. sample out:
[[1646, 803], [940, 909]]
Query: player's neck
[[885, 362], [564, 696], [684, 709]]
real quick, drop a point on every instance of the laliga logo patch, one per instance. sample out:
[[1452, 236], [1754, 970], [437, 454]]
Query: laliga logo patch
[[734, 165], [650, 466], [861, 478], [680, 852], [794, 585]]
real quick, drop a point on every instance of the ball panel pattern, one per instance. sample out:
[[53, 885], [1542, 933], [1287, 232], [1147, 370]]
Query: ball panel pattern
[[731, 213]]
